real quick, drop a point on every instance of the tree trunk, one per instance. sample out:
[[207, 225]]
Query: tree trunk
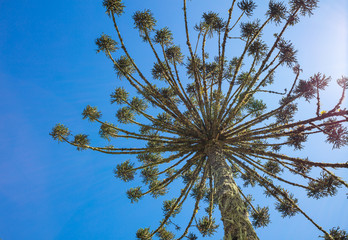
[[234, 214]]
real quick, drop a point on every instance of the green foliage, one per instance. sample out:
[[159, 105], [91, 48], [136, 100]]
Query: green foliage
[[276, 11], [272, 167], [274, 191], [163, 119], [169, 206], [192, 236], [125, 171], [247, 202], [91, 113], [258, 49], [159, 71], [255, 107], [134, 194], [174, 55], [286, 207], [81, 141], [164, 234], [169, 93], [149, 157], [119, 96], [198, 192], [144, 21], [261, 218], [144, 234], [213, 103], [249, 179], [302, 168], [336, 234], [207, 226], [187, 176], [249, 29], [107, 130], [164, 37], [149, 174], [297, 138], [124, 67], [106, 44], [138, 105], [60, 132], [325, 186], [210, 23], [247, 6], [157, 189], [286, 114], [125, 115], [113, 7], [336, 134], [244, 77]]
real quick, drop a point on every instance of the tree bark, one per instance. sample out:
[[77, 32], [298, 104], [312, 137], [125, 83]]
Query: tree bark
[[234, 214]]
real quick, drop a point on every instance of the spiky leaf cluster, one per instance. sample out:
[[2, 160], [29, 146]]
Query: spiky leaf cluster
[[138, 105], [125, 171], [124, 67], [305, 7], [174, 55], [144, 21], [164, 234], [273, 167], [80, 141], [159, 71], [119, 96], [125, 115], [247, 6], [113, 7], [107, 130], [276, 11], [106, 44], [164, 37], [343, 82], [287, 206], [157, 189], [192, 236], [258, 49], [336, 134], [207, 226], [297, 138], [91, 113], [149, 174], [59, 132], [198, 192], [144, 234], [249, 29], [325, 186], [336, 234], [134, 194], [287, 53], [260, 217], [170, 208]]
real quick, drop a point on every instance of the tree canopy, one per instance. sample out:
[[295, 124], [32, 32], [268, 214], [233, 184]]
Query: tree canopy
[[204, 117]]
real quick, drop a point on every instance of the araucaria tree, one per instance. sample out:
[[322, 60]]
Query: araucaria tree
[[211, 125]]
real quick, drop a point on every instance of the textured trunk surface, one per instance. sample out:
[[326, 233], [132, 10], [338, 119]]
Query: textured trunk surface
[[234, 214]]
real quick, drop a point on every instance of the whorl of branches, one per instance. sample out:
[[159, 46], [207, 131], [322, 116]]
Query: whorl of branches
[[219, 103]]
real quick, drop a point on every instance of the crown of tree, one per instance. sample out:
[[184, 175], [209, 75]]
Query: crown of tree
[[211, 125]]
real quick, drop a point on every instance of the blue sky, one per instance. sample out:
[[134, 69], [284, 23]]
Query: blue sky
[[49, 71]]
